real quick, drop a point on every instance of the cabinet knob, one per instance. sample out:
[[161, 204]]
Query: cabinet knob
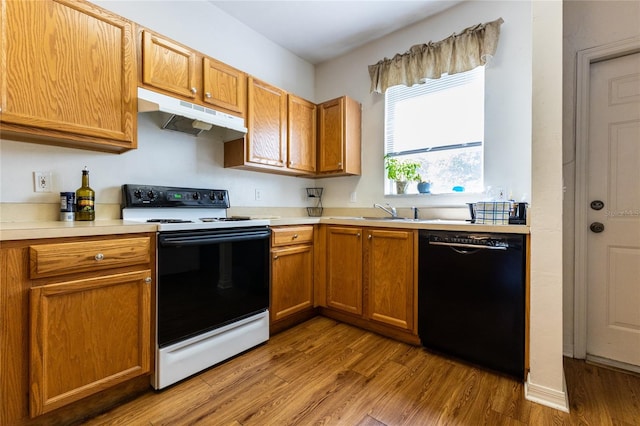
[[207, 95], [147, 280], [294, 236], [275, 257], [358, 235], [194, 90], [99, 257], [339, 164], [370, 236]]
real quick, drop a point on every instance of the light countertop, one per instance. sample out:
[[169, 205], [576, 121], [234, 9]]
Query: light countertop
[[57, 229]]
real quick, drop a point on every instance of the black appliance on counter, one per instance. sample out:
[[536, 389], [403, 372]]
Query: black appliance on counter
[[471, 297], [212, 277]]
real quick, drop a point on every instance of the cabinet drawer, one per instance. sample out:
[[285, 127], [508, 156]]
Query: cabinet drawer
[[47, 260], [291, 235]]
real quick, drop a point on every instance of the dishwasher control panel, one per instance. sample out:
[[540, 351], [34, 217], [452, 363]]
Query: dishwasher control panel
[[471, 239]]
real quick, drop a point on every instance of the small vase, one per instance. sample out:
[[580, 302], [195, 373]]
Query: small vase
[[424, 187], [401, 186]]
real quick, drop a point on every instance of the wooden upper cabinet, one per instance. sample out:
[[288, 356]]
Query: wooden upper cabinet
[[168, 66], [267, 124], [69, 75], [339, 137], [301, 145], [224, 86]]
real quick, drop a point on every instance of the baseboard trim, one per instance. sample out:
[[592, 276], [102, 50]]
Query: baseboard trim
[[616, 365], [547, 396]]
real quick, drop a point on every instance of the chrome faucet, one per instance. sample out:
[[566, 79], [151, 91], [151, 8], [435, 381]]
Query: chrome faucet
[[391, 210]]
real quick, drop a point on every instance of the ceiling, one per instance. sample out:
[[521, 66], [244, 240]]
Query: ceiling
[[318, 30]]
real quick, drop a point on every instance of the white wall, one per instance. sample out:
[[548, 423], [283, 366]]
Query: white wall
[[166, 157], [587, 24], [508, 103], [546, 377]]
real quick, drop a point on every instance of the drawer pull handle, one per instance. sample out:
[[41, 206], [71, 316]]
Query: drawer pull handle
[[295, 236], [99, 257]]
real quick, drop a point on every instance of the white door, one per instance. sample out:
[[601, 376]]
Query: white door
[[613, 242]]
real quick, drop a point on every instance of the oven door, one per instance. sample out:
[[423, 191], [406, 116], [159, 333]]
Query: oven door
[[208, 279]]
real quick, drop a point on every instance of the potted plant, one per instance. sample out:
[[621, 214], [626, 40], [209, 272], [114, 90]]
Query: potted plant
[[402, 172], [424, 186]]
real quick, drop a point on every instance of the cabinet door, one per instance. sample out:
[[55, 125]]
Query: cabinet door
[[389, 277], [330, 136], [68, 74], [87, 336], [339, 137], [224, 86], [344, 269], [267, 124], [301, 145], [168, 66], [291, 280]]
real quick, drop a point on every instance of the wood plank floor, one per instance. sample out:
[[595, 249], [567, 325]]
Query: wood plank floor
[[327, 373]]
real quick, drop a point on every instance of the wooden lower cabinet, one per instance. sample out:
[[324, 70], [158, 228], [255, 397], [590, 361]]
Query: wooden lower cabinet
[[389, 277], [291, 275], [371, 275], [344, 269], [75, 339], [86, 336]]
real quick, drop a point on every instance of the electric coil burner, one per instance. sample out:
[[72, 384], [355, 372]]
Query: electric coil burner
[[212, 277]]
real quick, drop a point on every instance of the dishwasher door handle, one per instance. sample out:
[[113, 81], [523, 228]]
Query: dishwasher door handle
[[468, 246]]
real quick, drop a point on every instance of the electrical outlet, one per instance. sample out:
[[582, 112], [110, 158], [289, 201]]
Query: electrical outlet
[[353, 197], [42, 181], [258, 194]]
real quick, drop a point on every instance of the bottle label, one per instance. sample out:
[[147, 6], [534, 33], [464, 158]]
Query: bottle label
[[67, 201], [85, 204]]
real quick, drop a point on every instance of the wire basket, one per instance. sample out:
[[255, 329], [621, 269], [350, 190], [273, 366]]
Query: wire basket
[[314, 192], [314, 211]]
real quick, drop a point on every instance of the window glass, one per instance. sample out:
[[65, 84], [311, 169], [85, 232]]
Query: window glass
[[439, 124]]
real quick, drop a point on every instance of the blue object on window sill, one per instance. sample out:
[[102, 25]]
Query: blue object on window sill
[[458, 189]]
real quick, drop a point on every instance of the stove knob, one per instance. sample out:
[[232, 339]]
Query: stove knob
[[212, 196], [151, 195], [221, 196], [196, 196], [137, 193]]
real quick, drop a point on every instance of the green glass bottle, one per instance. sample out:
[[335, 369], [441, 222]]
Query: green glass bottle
[[85, 199]]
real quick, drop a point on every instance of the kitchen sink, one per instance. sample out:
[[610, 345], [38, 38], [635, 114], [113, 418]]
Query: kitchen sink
[[389, 218]]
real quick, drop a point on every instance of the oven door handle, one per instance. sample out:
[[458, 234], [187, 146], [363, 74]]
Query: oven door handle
[[198, 240]]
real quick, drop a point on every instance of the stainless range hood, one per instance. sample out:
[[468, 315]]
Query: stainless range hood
[[185, 117]]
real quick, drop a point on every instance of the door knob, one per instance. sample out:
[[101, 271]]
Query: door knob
[[596, 227], [597, 205]]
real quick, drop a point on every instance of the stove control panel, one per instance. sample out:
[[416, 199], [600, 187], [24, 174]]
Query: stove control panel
[[168, 196]]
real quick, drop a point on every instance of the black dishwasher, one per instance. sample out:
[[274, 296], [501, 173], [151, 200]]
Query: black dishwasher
[[471, 297]]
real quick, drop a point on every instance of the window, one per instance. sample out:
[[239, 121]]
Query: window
[[439, 124]]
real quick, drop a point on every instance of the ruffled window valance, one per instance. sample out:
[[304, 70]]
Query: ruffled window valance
[[457, 53]]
